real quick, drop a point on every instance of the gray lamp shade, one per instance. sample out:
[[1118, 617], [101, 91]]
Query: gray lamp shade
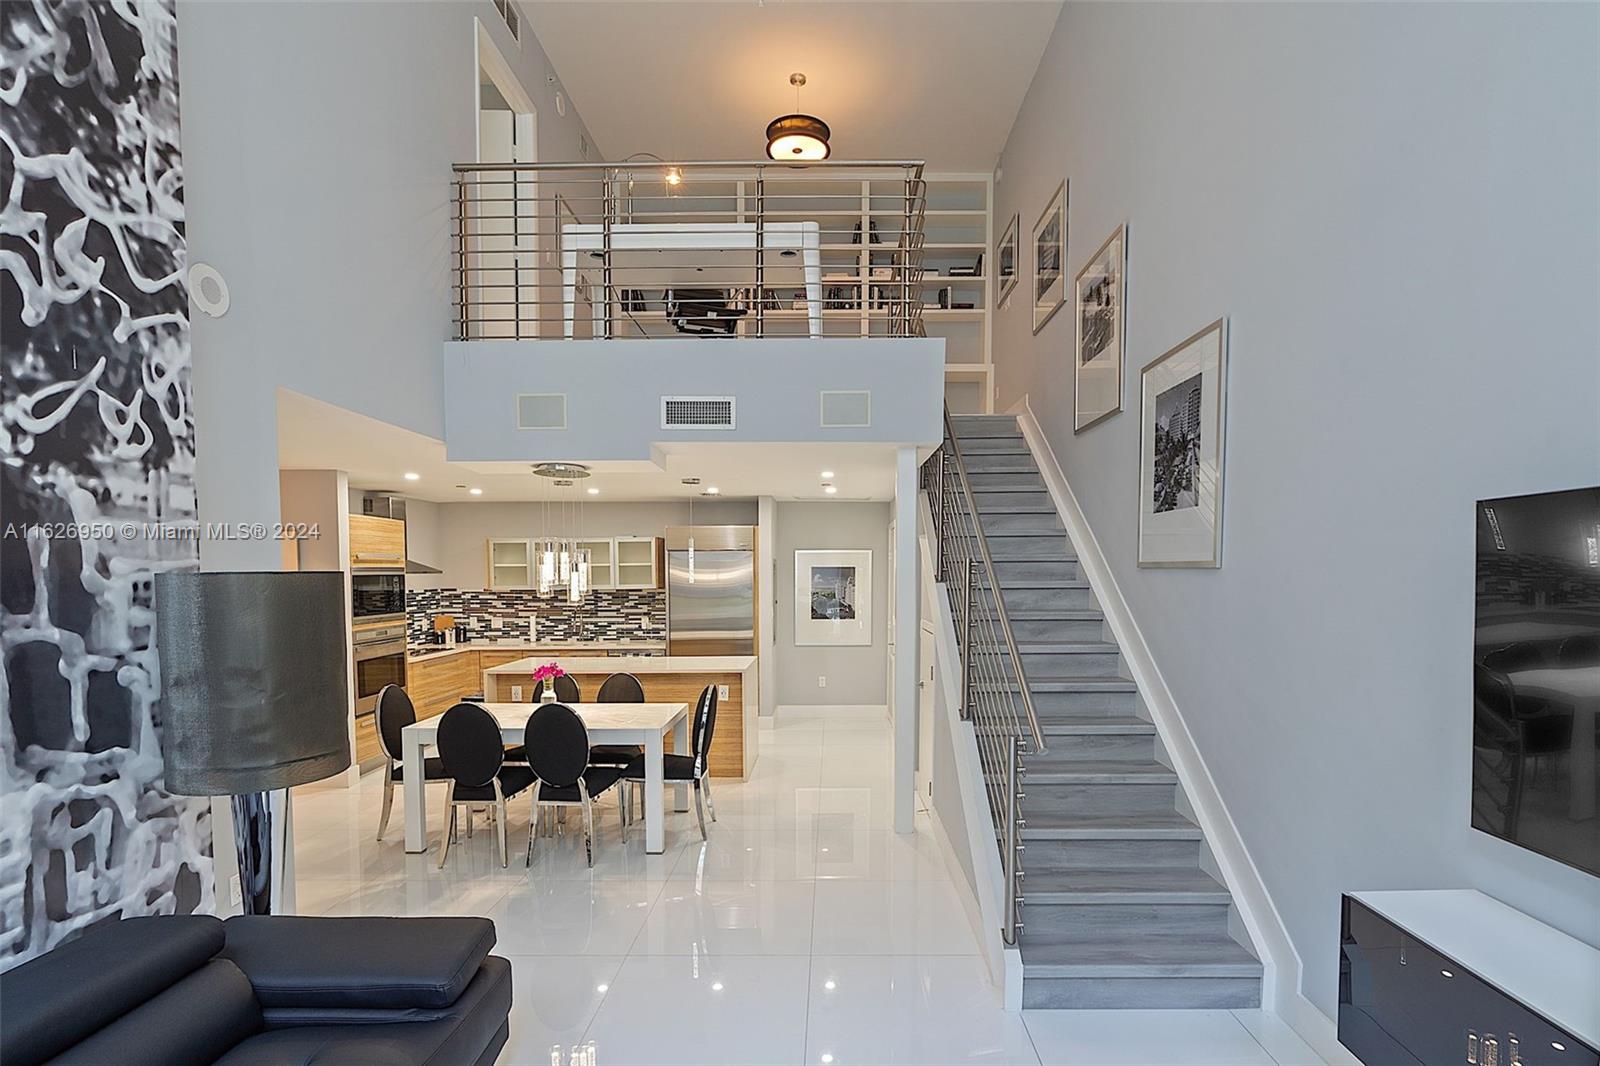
[[256, 690]]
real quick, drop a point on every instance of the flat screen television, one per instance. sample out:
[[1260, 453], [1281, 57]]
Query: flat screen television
[[1536, 674]]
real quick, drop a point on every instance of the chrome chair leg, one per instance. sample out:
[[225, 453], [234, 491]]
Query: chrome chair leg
[[588, 822], [711, 807], [500, 831], [533, 822], [700, 811], [450, 823], [622, 818], [388, 797]]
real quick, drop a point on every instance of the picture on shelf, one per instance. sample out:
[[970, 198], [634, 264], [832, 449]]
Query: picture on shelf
[[1006, 257], [1177, 431], [1100, 289], [1183, 400], [833, 592], [1049, 255]]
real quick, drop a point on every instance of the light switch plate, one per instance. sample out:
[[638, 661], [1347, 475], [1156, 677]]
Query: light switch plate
[[516, 693], [822, 681]]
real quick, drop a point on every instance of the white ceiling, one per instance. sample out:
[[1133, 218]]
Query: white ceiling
[[313, 435], [894, 79]]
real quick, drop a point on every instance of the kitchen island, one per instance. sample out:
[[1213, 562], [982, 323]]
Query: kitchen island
[[666, 679]]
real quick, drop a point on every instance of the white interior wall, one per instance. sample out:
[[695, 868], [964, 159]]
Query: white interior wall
[[1368, 192], [857, 676]]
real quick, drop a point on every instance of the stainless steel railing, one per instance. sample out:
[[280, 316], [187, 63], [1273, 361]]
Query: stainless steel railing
[[994, 693], [648, 248]]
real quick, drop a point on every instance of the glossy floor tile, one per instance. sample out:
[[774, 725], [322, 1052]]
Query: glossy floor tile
[[803, 929]]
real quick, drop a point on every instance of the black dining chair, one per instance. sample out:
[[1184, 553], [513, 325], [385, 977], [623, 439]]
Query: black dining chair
[[474, 758], [692, 767], [618, 688], [395, 712], [566, 690], [558, 753]]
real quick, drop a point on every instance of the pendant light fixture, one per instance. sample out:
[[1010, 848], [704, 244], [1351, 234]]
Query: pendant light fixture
[[563, 564], [694, 487], [798, 137]]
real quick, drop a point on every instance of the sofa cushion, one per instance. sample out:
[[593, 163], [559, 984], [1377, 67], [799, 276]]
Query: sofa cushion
[[472, 1031], [358, 962], [58, 999], [194, 1022]]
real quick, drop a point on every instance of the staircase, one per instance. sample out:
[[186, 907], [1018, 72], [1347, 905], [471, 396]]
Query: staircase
[[1119, 909]]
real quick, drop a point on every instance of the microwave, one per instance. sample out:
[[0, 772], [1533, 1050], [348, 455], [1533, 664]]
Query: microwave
[[378, 595]]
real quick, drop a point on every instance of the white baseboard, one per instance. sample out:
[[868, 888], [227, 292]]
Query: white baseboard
[[832, 710], [1281, 963], [1316, 1029]]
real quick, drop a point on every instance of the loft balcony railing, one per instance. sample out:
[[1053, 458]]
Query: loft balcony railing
[[654, 249]]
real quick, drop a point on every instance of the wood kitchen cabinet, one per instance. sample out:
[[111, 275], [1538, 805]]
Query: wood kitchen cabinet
[[367, 747], [436, 684], [377, 543]]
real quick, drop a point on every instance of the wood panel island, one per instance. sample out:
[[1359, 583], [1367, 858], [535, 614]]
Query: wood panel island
[[666, 679]]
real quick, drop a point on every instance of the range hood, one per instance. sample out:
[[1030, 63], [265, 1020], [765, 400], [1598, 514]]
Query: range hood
[[388, 505], [414, 567]]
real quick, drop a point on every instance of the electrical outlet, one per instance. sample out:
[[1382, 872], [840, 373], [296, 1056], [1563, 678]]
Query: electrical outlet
[[516, 693], [722, 692], [235, 891], [822, 681]]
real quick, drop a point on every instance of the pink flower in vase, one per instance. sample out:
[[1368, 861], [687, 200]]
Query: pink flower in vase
[[548, 672]]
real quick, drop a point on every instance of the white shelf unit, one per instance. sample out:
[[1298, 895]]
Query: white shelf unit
[[602, 562], [510, 563], [636, 561], [958, 228]]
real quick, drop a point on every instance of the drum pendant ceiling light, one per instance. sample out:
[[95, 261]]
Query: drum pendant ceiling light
[[798, 137]]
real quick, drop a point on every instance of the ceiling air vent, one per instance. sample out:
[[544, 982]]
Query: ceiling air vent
[[511, 17], [851, 410], [542, 410], [697, 412]]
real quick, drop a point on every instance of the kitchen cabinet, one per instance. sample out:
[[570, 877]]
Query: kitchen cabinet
[[639, 562], [602, 562], [367, 747], [438, 683], [377, 543], [488, 660], [510, 564]]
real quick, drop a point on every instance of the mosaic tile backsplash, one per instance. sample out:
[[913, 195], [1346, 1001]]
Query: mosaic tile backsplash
[[610, 614]]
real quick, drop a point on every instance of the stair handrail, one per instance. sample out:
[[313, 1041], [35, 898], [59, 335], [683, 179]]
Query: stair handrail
[[1036, 734]]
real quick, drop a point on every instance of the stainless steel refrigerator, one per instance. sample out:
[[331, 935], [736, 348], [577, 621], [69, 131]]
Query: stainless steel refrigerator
[[711, 590]]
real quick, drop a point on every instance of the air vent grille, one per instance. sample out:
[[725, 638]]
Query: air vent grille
[[542, 410], [697, 412], [846, 410]]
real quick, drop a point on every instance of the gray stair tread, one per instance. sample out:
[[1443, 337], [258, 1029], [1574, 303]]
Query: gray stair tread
[[1051, 614], [1091, 647], [1051, 825], [1176, 884], [1020, 583], [1099, 725], [1071, 684], [1049, 769], [1042, 506], [1144, 956]]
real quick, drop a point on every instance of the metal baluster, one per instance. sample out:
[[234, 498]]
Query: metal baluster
[[607, 204], [761, 257]]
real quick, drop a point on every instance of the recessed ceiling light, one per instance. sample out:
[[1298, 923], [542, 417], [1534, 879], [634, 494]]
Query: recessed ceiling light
[[830, 489], [716, 986], [826, 1059], [712, 490], [593, 491], [601, 988], [1447, 973], [412, 475], [827, 475], [1558, 1045], [476, 491], [830, 984]]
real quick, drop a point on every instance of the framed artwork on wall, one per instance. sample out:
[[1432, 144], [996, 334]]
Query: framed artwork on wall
[[1005, 257], [1100, 290], [833, 597], [1183, 401], [1049, 259]]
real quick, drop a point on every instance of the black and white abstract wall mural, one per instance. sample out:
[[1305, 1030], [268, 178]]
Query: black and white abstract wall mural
[[96, 469]]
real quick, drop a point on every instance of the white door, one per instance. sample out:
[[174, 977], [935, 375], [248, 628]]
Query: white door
[[925, 713], [505, 262]]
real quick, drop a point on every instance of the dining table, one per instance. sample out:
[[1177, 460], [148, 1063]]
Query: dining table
[[1579, 687], [643, 724]]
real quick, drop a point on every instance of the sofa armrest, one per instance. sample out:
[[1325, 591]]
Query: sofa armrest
[[370, 963]]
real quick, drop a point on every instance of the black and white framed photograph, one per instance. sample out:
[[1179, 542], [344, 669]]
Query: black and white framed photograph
[[1183, 398], [1101, 290], [1049, 259], [1005, 258], [833, 597]]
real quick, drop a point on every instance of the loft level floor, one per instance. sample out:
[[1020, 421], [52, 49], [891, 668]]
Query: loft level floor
[[804, 931]]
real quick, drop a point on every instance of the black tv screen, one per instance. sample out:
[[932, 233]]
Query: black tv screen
[[1536, 674]]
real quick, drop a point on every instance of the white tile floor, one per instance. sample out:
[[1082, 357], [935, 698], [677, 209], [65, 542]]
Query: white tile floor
[[804, 931]]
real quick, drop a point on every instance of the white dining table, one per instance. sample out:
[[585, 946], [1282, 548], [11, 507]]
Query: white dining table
[[644, 724], [665, 255], [1578, 686]]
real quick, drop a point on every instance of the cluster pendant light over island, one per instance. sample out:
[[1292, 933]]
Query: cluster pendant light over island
[[563, 566]]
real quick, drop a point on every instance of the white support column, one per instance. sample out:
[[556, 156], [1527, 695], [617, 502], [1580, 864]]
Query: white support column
[[767, 598], [907, 629]]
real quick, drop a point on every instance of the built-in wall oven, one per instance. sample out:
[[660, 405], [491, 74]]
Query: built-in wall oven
[[380, 654], [378, 595]]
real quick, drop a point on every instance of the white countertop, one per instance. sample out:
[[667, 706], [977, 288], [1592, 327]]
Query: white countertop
[[643, 664], [1543, 968], [416, 654]]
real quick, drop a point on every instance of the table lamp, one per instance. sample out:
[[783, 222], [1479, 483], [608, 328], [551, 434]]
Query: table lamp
[[256, 700]]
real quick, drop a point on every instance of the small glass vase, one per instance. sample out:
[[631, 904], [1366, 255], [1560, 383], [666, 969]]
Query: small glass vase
[[548, 695]]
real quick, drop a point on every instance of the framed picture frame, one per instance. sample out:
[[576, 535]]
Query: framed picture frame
[[1100, 293], [1050, 259], [1005, 261], [833, 597], [1182, 424]]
